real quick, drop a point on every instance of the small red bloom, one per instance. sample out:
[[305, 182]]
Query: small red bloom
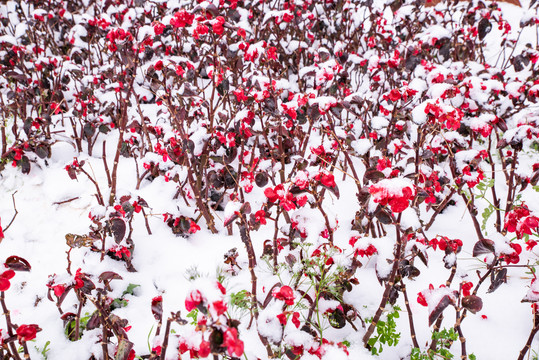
[[394, 95], [193, 300], [260, 216], [271, 195], [530, 244], [4, 284], [219, 307], [327, 179], [466, 287], [284, 293], [421, 299], [59, 289], [204, 349], [217, 26], [193, 227], [295, 319], [232, 343], [78, 279], [27, 332]]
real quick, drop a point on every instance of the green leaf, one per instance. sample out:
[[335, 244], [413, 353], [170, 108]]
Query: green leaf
[[130, 290]]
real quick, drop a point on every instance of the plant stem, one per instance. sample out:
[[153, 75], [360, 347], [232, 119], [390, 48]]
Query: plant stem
[[530, 338], [410, 315], [389, 284]]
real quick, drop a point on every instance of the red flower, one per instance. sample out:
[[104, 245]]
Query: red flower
[[217, 26], [327, 179], [158, 65], [1, 232], [219, 307], [421, 299], [369, 251], [466, 287], [182, 19], [282, 318], [78, 279], [137, 207], [193, 227], [221, 288], [4, 284], [204, 349], [521, 221], [59, 289], [295, 319], [516, 247], [8, 274], [393, 192], [394, 95], [284, 293], [27, 332], [193, 300], [158, 28], [260, 216], [271, 195], [231, 341]]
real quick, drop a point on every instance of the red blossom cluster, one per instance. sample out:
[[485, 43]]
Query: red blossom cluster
[[514, 257], [446, 244], [286, 199], [450, 119], [181, 19], [284, 293], [393, 192], [521, 221]]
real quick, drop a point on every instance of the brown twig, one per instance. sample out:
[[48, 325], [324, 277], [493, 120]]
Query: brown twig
[[14, 215], [389, 284]]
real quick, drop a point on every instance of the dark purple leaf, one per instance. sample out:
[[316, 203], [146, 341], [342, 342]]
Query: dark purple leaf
[[17, 263], [89, 130], [124, 349], [118, 227], [94, 321], [485, 246], [229, 220], [500, 278], [71, 172], [444, 302], [25, 165], [484, 28], [109, 275], [42, 151], [157, 308], [337, 319], [88, 285], [373, 175], [473, 303], [383, 215], [520, 62], [334, 190], [216, 340], [534, 178], [261, 179]]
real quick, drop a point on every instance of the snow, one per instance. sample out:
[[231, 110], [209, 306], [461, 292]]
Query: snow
[[51, 205]]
